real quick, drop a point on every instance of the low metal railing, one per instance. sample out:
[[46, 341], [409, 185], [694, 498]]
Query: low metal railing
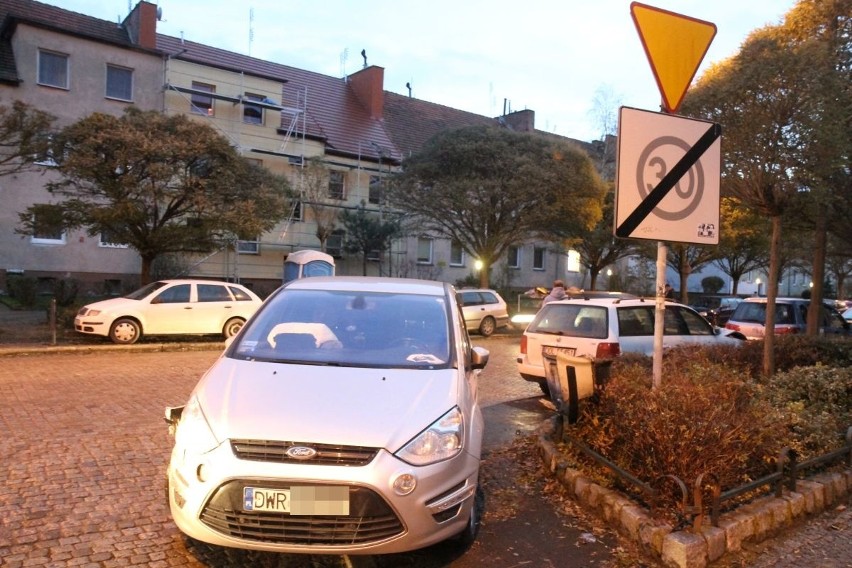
[[694, 511]]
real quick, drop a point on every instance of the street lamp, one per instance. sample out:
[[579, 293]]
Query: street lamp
[[477, 264], [757, 281]]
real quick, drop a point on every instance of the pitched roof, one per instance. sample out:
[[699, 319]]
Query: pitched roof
[[411, 122], [333, 112], [13, 12]]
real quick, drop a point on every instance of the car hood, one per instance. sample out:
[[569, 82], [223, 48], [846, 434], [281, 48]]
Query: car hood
[[321, 404], [112, 304]]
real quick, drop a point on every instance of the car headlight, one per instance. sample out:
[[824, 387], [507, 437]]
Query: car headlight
[[440, 441], [193, 434]]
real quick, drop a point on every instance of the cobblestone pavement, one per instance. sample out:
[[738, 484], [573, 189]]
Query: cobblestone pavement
[[84, 448]]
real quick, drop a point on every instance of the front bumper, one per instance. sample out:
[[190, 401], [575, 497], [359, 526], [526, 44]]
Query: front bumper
[[206, 492], [82, 324]]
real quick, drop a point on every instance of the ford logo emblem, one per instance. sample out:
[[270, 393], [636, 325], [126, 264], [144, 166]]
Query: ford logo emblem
[[301, 453]]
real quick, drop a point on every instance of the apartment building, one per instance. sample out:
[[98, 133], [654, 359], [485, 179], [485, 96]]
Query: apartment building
[[70, 65], [281, 117]]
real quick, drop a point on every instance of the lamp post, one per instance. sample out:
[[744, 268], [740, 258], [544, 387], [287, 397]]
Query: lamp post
[[757, 281], [608, 277]]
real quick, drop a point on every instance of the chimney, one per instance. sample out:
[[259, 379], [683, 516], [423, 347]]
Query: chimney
[[368, 85], [141, 25], [521, 121]]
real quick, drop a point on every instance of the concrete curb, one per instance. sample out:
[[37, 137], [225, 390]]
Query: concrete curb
[[753, 522], [25, 350]]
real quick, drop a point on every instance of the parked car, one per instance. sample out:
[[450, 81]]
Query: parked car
[[847, 314], [791, 316], [484, 310], [717, 309], [530, 303], [170, 307], [343, 419], [603, 328]]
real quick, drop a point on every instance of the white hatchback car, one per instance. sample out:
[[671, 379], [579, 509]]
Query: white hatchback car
[[170, 307], [604, 328], [343, 419]]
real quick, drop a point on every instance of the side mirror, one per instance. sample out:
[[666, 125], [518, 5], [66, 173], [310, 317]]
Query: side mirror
[[479, 357]]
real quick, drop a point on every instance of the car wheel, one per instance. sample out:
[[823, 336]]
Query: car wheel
[[465, 538], [232, 327], [487, 326], [125, 331]]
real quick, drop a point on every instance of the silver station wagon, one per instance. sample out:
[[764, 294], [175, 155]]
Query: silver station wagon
[[342, 419]]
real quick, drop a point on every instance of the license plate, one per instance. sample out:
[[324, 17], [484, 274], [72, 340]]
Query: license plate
[[551, 351], [301, 500]]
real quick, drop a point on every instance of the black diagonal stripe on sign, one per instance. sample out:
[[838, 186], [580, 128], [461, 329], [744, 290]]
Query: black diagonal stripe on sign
[[668, 182]]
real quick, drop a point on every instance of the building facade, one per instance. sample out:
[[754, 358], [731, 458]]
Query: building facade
[[336, 139]]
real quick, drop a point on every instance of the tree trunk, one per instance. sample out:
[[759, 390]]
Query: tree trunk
[[819, 273], [145, 274], [593, 278], [771, 295], [484, 281]]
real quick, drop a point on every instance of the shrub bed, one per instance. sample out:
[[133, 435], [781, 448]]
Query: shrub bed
[[716, 414]]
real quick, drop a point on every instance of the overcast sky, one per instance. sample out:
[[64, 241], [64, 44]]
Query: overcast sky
[[550, 56]]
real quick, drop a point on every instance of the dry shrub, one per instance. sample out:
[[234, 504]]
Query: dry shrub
[[792, 351], [706, 418]]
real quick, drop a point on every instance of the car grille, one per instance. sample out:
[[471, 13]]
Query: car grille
[[327, 454], [370, 520]]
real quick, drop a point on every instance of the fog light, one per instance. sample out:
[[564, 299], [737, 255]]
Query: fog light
[[404, 484]]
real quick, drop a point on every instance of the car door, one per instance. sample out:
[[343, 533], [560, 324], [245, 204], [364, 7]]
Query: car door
[[169, 310], [213, 307], [473, 308]]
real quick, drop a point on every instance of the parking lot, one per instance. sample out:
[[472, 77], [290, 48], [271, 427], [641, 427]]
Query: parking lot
[[84, 449]]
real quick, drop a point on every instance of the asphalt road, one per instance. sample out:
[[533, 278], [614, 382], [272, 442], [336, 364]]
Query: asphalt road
[[84, 450]]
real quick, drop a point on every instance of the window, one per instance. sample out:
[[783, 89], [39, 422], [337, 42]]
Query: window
[[202, 104], [335, 185], [119, 83], [47, 225], [334, 244], [538, 258], [178, 294], [109, 239], [297, 211], [213, 293], [52, 69], [44, 155], [252, 114], [248, 247], [424, 250], [456, 254], [513, 257], [375, 195]]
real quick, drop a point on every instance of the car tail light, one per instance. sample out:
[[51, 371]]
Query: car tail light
[[733, 326], [523, 345], [785, 330], [608, 350]]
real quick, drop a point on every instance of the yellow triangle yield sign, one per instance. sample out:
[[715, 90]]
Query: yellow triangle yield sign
[[675, 45]]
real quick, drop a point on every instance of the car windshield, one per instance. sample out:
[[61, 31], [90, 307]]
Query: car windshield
[[575, 320], [348, 328]]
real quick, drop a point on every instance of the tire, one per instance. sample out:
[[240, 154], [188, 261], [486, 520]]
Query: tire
[[125, 331], [465, 538], [232, 327], [487, 326], [545, 390]]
